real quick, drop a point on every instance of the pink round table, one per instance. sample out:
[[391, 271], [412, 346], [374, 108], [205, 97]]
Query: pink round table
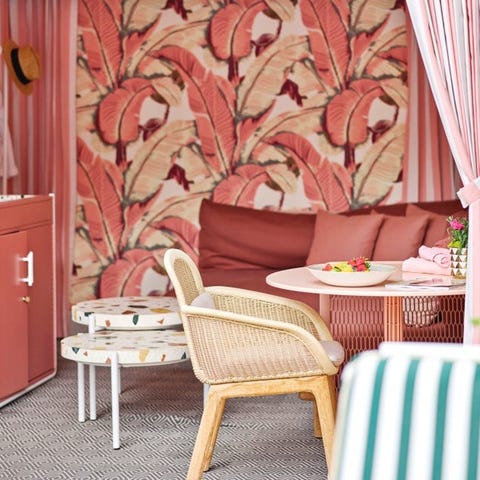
[[301, 280]]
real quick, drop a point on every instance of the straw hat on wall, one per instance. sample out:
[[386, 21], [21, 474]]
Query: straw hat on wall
[[23, 65]]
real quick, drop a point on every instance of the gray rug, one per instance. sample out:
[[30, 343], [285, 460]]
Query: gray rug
[[160, 409]]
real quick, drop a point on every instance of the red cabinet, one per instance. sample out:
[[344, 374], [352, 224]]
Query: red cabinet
[[27, 313]]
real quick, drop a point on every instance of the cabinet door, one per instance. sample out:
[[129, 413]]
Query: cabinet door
[[13, 314], [41, 328]]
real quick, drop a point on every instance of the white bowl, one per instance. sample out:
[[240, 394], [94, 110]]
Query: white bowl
[[378, 273]]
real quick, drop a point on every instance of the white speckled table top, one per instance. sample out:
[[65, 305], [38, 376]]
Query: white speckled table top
[[134, 348], [129, 313]]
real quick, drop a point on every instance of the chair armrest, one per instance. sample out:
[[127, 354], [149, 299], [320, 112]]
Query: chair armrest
[[229, 347], [270, 307]]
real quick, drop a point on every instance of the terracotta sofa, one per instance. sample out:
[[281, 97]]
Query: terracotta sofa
[[240, 246]]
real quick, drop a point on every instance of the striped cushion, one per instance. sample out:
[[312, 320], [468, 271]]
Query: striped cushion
[[408, 417]]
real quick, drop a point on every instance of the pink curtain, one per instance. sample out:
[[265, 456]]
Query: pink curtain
[[43, 125], [448, 34], [429, 171]]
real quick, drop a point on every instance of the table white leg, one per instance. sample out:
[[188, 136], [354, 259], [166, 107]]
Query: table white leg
[[81, 391], [92, 392], [115, 401], [91, 324], [324, 308], [91, 376]]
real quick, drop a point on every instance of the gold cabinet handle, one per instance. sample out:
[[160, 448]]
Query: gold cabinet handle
[[26, 299]]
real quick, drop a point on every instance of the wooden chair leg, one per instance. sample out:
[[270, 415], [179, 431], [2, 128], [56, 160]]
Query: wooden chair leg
[[307, 396], [317, 429], [326, 414], [214, 433], [207, 433], [332, 386]]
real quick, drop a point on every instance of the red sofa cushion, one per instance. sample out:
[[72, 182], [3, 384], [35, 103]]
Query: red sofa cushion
[[445, 207], [340, 237], [437, 228], [400, 209], [400, 237], [233, 237]]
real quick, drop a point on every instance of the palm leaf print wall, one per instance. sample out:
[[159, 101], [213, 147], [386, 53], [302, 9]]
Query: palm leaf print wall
[[287, 104]]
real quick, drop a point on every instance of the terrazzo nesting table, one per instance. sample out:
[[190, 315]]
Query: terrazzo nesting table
[[132, 315], [124, 313], [117, 349]]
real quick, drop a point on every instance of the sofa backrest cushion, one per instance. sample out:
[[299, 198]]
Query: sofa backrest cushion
[[445, 207], [233, 237], [400, 237], [437, 227], [339, 237]]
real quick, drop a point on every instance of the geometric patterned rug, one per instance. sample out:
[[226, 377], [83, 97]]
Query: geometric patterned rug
[[160, 409]]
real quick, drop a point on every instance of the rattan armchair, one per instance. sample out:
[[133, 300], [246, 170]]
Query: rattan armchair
[[244, 343]]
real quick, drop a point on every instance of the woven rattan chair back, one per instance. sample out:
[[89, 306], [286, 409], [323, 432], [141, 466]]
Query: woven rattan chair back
[[184, 276], [188, 285]]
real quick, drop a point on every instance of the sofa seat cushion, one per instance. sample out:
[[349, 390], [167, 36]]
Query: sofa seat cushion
[[233, 237], [253, 279]]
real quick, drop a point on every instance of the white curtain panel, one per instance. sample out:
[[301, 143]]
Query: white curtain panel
[[448, 33]]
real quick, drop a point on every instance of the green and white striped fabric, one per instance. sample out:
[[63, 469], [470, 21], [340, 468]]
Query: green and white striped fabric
[[409, 416]]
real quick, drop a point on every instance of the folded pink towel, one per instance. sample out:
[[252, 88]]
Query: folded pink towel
[[420, 265], [435, 254]]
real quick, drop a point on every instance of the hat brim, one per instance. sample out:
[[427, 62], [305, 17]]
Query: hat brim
[[8, 46]]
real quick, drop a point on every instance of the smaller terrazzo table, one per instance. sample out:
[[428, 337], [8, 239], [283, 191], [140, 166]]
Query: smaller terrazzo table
[[128, 313], [126, 349]]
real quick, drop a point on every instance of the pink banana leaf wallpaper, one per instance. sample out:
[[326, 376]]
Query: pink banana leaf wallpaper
[[287, 105]]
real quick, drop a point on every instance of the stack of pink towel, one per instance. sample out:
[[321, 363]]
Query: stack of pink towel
[[433, 260]]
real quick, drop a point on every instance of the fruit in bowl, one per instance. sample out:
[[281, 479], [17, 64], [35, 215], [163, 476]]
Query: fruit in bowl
[[357, 264]]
